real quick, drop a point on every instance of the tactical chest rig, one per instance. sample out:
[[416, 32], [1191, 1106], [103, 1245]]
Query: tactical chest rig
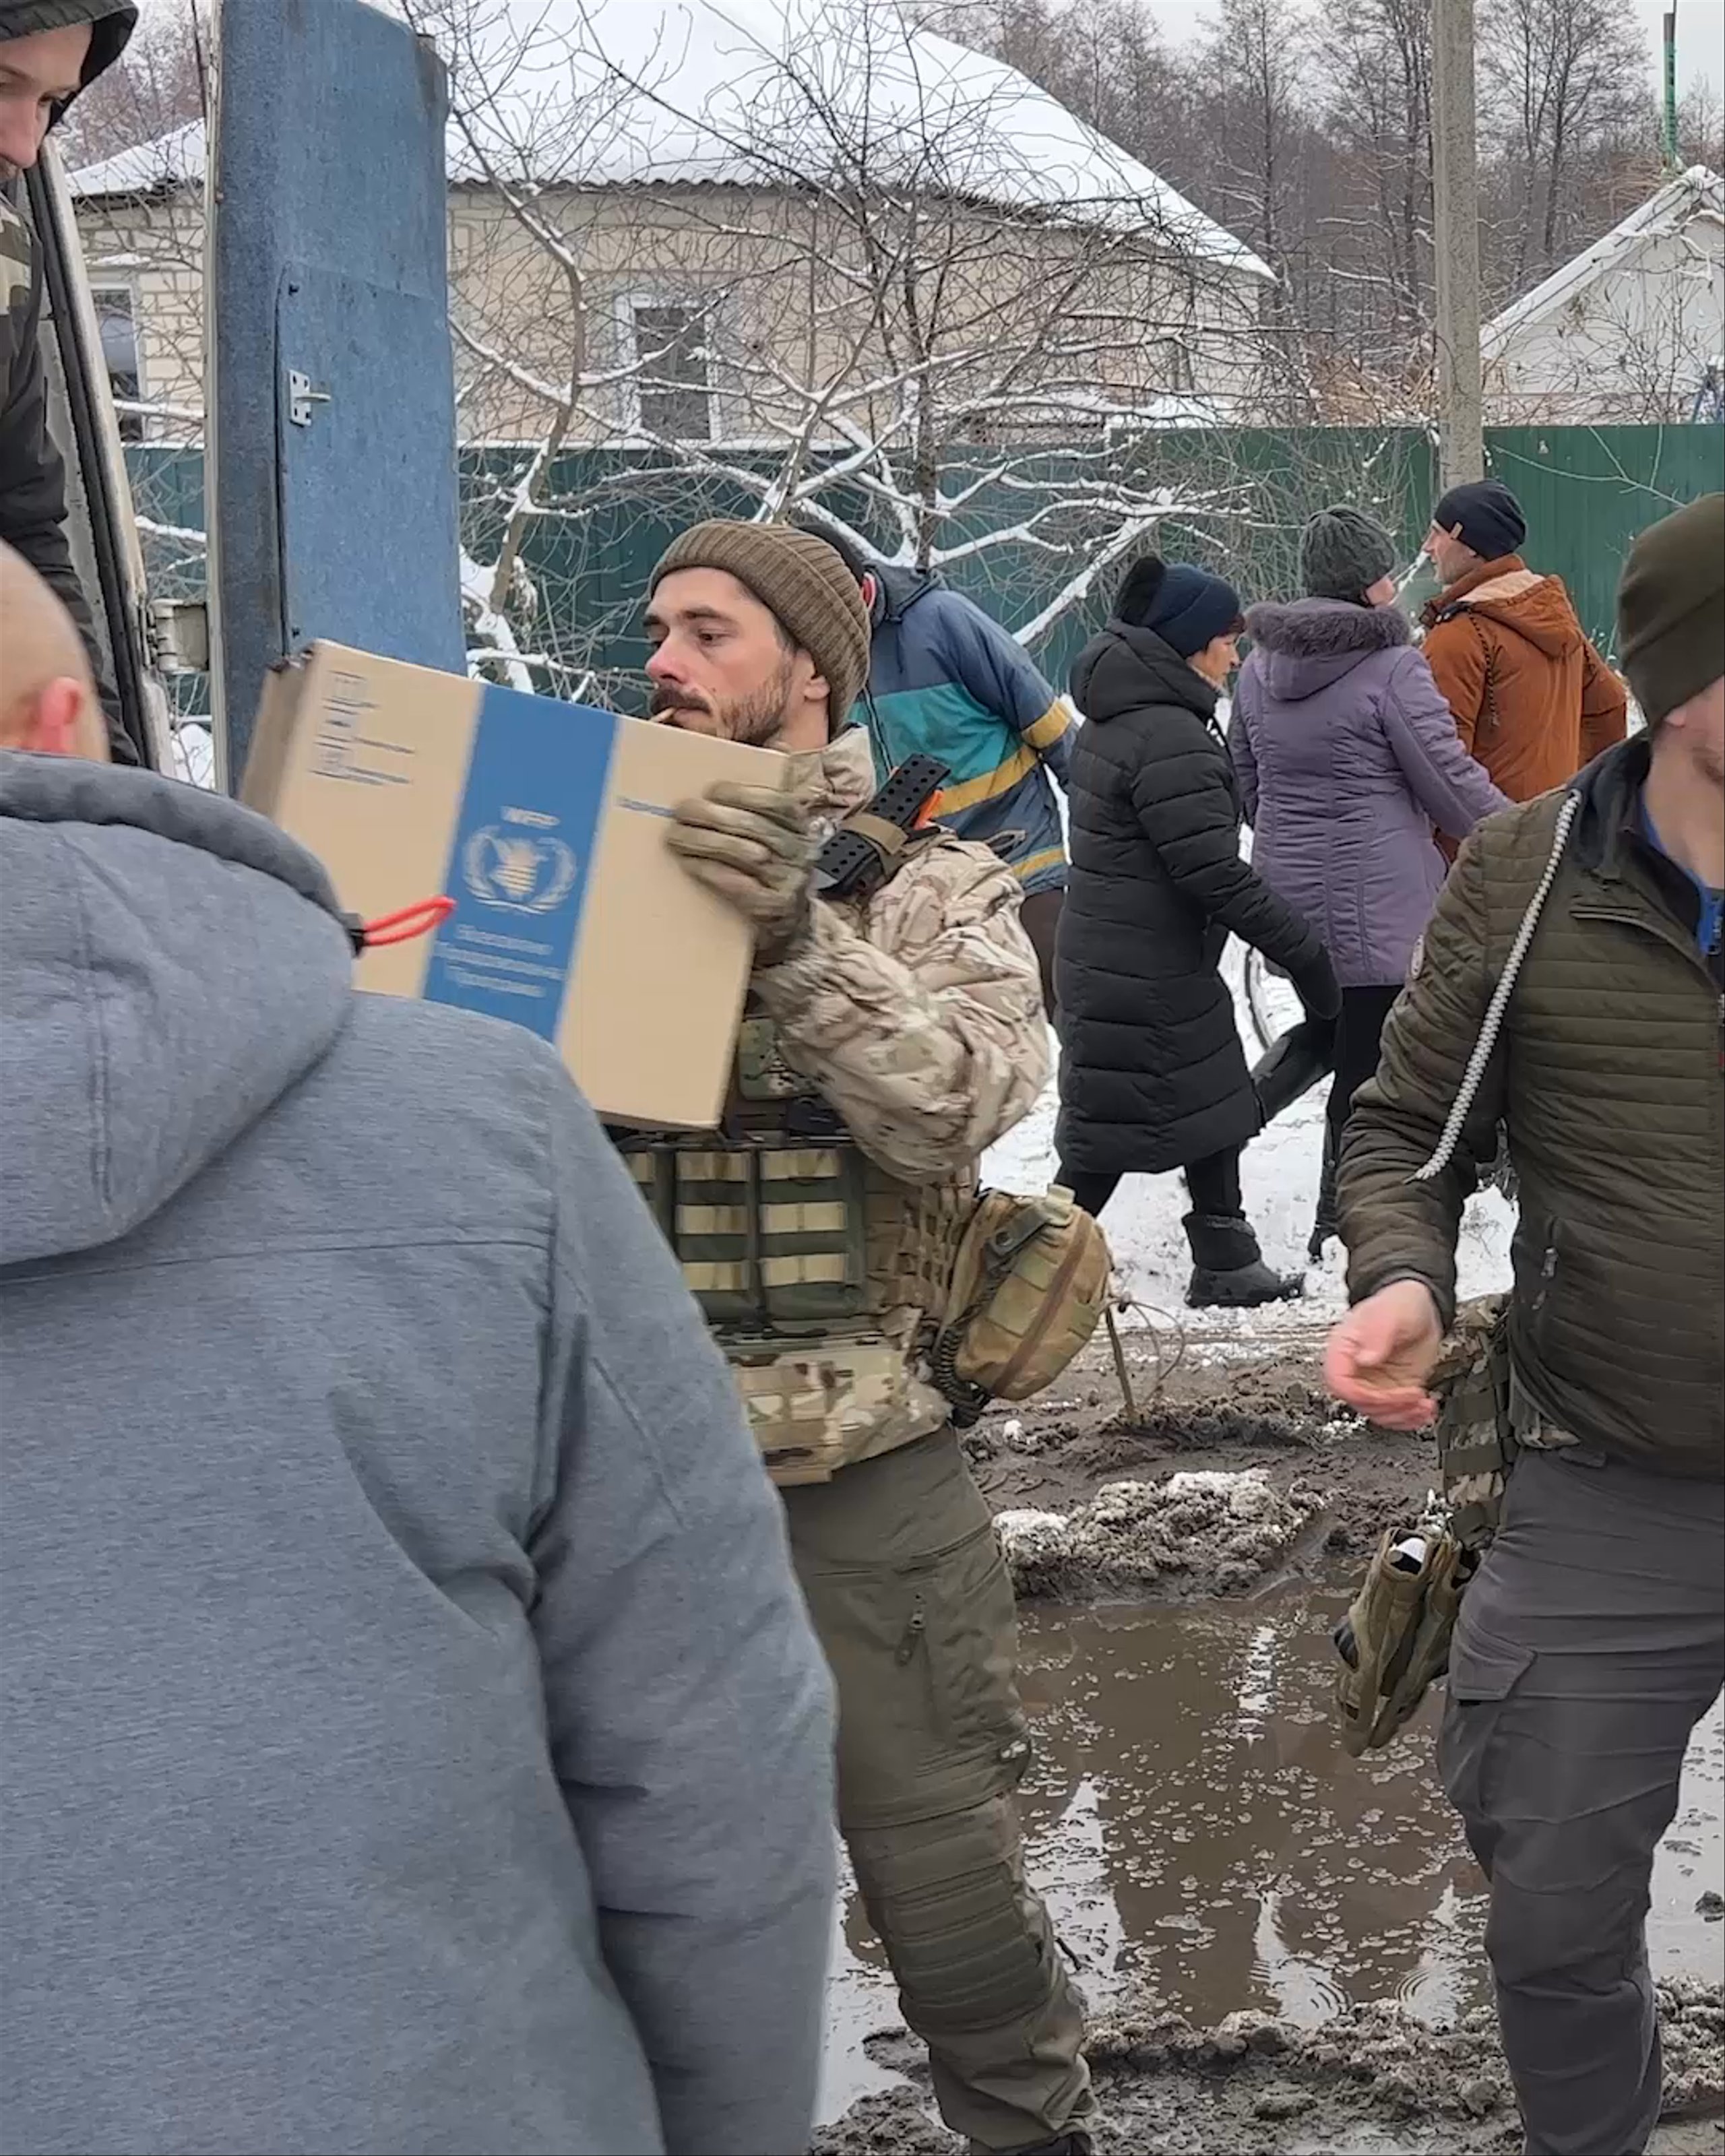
[[860, 1312], [821, 1276]]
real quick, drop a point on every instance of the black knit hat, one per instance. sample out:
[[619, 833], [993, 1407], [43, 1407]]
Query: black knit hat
[[1187, 608], [1484, 516], [1343, 553]]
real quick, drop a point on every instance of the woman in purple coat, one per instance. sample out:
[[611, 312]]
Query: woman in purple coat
[[1347, 757]]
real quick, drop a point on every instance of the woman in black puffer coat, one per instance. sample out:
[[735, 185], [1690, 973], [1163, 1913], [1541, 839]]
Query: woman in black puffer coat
[[1152, 1075]]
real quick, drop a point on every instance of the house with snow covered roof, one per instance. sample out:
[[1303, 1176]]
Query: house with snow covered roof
[[1632, 331], [804, 222]]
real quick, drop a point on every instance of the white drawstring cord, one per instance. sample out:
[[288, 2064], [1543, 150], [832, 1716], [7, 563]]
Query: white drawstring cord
[[1493, 1022]]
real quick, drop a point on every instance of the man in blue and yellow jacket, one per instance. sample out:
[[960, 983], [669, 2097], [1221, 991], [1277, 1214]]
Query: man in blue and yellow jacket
[[948, 680]]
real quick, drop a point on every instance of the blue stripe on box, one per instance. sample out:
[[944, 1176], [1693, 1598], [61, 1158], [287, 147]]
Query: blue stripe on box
[[537, 780]]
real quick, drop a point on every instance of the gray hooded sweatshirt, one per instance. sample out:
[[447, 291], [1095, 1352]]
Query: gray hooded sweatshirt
[[412, 1737]]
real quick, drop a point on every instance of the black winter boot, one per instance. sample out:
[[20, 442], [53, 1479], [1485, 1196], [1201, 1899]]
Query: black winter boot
[[1326, 1226], [1227, 1268]]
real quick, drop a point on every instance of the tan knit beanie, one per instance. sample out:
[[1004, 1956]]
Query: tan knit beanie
[[1670, 608], [802, 582]]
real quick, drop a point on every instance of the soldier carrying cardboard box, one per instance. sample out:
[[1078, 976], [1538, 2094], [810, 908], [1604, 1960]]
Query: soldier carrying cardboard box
[[889, 1039]]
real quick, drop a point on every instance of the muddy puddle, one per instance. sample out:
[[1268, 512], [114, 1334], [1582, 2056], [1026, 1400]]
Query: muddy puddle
[[1201, 1836]]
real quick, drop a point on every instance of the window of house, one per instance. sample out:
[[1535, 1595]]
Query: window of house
[[1173, 365], [675, 390], [120, 353]]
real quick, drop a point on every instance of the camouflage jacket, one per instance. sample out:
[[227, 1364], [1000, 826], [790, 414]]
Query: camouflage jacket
[[918, 1016]]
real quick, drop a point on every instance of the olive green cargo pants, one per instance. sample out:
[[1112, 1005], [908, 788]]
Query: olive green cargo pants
[[914, 1607]]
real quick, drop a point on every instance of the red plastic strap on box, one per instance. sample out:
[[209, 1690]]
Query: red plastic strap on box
[[407, 922]]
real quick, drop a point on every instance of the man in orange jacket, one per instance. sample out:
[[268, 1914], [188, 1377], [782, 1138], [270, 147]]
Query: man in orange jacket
[[1533, 701]]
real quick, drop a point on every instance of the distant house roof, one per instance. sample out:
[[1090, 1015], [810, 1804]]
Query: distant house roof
[[173, 160], [754, 92], [1697, 192]]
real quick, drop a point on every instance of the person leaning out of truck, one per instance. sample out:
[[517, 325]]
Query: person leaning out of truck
[[49, 51]]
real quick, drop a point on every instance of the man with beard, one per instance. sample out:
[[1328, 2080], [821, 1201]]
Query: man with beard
[[1571, 987], [49, 51], [888, 1039]]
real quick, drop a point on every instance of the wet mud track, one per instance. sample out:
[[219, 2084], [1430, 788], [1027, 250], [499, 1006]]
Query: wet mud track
[[1280, 1945], [1271, 1418]]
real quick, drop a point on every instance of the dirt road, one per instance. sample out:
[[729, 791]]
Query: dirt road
[[1207, 1403], [1374, 2083], [1280, 1945]]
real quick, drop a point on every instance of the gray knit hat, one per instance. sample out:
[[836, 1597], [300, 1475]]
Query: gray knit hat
[[803, 584], [1343, 553]]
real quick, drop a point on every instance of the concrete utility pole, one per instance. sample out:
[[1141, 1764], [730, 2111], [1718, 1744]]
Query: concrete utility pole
[[1455, 202]]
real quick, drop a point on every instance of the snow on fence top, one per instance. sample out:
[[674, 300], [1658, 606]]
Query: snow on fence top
[[752, 93]]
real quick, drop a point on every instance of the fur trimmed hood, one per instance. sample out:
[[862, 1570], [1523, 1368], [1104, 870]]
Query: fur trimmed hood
[[1304, 647]]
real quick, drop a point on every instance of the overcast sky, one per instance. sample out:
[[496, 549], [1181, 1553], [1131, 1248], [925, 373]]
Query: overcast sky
[[1700, 31]]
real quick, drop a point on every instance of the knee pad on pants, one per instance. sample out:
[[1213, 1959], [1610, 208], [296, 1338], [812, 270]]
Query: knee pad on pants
[[970, 1946]]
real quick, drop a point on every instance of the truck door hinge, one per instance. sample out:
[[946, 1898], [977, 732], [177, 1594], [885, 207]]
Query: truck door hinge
[[178, 632]]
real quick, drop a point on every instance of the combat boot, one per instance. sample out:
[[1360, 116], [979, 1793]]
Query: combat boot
[[1227, 1268]]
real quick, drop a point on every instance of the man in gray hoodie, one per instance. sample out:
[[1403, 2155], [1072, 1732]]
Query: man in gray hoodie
[[411, 1737]]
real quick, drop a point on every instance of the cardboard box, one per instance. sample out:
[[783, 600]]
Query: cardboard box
[[545, 823]]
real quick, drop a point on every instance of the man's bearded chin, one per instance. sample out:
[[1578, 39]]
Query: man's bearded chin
[[757, 721]]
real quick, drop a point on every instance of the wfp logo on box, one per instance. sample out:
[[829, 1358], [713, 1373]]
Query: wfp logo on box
[[517, 873]]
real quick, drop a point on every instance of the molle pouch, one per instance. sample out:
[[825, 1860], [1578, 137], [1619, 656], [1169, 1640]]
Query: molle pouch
[[812, 1408], [1449, 1567], [1030, 1286], [767, 1235], [1475, 1433], [1395, 1637]]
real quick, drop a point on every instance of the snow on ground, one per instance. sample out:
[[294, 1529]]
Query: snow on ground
[[1279, 1177]]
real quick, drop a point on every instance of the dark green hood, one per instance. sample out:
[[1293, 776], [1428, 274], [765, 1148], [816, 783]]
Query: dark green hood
[[111, 23]]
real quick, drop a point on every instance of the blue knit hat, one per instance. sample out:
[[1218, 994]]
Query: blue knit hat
[[1187, 607]]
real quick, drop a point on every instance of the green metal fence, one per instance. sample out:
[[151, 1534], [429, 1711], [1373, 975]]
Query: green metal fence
[[1238, 497], [1588, 491]]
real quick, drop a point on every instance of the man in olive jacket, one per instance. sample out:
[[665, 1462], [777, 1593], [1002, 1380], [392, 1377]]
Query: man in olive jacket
[[1593, 1639]]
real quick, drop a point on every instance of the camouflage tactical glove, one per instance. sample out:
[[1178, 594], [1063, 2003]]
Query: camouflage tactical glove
[[752, 845]]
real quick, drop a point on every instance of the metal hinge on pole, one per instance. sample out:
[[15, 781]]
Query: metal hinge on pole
[[301, 396]]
